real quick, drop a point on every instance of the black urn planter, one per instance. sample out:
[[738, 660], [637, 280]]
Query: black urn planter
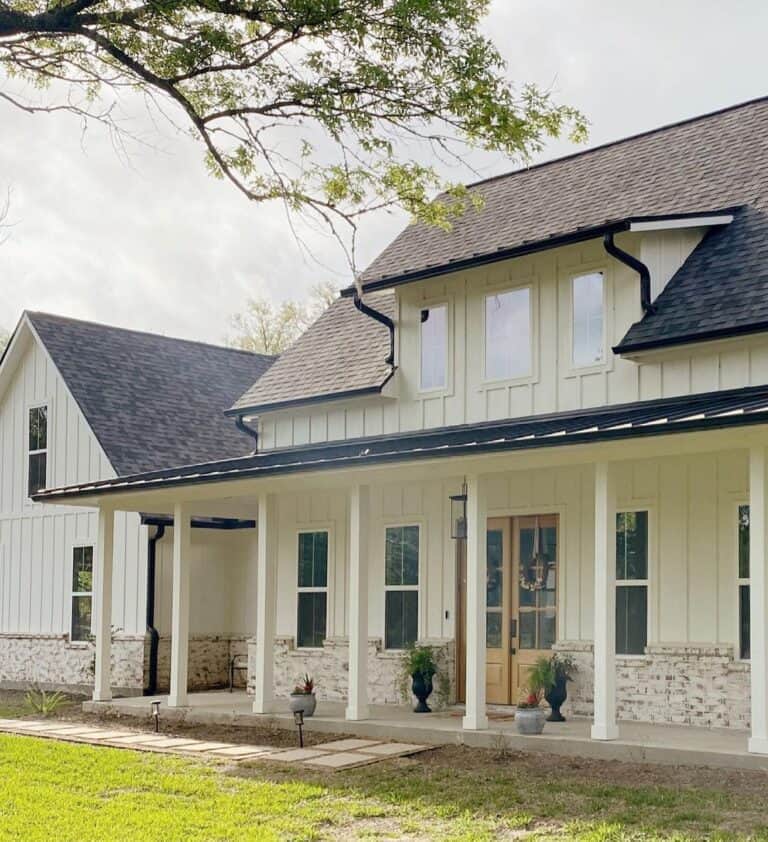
[[422, 688], [556, 696]]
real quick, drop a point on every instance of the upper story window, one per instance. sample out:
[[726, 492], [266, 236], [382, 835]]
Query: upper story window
[[37, 469], [588, 319], [434, 347], [508, 334]]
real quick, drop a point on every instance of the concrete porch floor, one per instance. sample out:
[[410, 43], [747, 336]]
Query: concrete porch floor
[[639, 741]]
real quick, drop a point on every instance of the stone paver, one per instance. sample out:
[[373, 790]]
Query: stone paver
[[242, 751], [342, 760], [204, 746], [393, 749], [173, 742], [137, 739], [109, 735], [350, 745], [296, 755]]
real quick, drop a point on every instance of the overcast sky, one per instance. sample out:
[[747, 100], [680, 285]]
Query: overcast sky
[[154, 243]]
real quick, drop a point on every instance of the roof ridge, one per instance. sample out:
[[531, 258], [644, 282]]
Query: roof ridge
[[32, 313], [618, 141]]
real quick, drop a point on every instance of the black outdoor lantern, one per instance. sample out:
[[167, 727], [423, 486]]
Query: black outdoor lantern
[[298, 718], [459, 514]]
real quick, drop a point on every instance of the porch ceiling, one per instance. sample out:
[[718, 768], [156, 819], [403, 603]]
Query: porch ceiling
[[602, 426]]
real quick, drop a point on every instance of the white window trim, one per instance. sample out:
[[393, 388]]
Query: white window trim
[[47, 403], [565, 279], [533, 315], [739, 582], [85, 542], [429, 304], [326, 590], [417, 587], [643, 583]]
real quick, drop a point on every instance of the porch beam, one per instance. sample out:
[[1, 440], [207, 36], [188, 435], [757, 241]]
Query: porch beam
[[758, 597], [357, 699], [604, 723], [102, 685], [266, 575], [475, 718], [182, 524]]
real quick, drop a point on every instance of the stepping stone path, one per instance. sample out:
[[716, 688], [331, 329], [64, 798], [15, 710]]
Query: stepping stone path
[[332, 756]]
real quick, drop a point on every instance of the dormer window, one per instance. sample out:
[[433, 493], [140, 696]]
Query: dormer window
[[434, 347], [37, 463], [588, 320], [508, 334]]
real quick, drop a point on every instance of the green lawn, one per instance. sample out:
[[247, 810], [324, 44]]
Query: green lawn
[[59, 792]]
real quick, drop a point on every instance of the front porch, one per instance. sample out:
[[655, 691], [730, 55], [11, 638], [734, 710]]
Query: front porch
[[638, 742]]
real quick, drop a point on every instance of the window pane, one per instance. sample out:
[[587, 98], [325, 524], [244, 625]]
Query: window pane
[[495, 569], [588, 319], [508, 334], [632, 545], [546, 629], [37, 470], [743, 542], [82, 570], [631, 619], [410, 555], [434, 347], [401, 560], [401, 624], [81, 617], [528, 630], [313, 559], [38, 428], [744, 647], [527, 567], [493, 629], [311, 619]]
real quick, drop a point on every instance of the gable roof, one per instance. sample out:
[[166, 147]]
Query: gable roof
[[151, 401], [343, 354]]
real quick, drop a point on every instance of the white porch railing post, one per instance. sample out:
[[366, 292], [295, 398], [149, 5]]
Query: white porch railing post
[[180, 606], [758, 597], [102, 689], [357, 700], [475, 718], [604, 723], [266, 565]]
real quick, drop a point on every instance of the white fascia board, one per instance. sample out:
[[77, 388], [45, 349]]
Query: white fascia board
[[681, 222]]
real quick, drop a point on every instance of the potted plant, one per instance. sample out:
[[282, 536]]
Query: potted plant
[[419, 664], [564, 668], [303, 696], [530, 717]]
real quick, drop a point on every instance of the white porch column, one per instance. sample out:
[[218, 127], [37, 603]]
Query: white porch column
[[758, 597], [357, 699], [475, 718], [102, 609], [182, 524], [266, 565], [604, 723]]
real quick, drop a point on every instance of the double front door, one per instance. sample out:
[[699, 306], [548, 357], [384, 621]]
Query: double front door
[[521, 602]]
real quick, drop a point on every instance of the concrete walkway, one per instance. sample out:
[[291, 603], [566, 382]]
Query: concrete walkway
[[639, 742], [335, 755]]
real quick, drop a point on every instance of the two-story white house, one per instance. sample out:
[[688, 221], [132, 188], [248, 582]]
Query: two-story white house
[[82, 402], [545, 429]]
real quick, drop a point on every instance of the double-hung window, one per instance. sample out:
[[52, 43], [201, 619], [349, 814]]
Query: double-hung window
[[587, 328], [744, 644], [434, 347], [313, 589], [401, 586], [82, 592], [631, 582], [37, 461], [508, 334]]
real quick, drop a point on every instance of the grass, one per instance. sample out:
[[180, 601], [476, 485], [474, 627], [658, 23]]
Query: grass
[[75, 793]]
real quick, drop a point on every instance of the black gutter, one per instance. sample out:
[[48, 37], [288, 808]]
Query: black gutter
[[249, 431], [382, 319], [225, 523], [630, 260], [154, 635]]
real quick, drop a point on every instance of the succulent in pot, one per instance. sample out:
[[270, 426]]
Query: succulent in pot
[[419, 664], [530, 717], [303, 696]]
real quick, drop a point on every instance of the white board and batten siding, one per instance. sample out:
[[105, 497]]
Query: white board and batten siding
[[553, 385], [36, 540]]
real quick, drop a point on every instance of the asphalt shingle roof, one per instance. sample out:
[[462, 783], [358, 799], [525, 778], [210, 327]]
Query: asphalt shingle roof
[[151, 401], [712, 162], [342, 352]]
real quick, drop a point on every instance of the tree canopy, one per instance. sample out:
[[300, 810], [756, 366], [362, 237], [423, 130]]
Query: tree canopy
[[335, 107]]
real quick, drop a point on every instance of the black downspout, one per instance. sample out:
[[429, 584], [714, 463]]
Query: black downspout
[[154, 635], [382, 319], [249, 431], [633, 263]]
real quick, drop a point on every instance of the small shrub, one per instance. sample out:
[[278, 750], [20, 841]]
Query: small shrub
[[43, 702]]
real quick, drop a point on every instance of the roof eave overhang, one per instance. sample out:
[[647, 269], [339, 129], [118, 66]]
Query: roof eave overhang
[[636, 349], [634, 223]]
